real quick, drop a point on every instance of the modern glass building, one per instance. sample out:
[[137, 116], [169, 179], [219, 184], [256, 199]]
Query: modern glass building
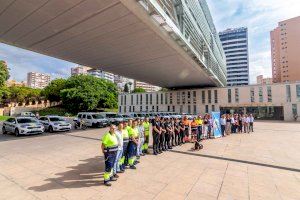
[[235, 45]]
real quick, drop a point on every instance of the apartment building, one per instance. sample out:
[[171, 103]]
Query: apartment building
[[146, 86], [37, 80]]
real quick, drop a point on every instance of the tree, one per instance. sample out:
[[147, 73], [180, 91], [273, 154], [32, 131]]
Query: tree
[[4, 73], [126, 88], [85, 92], [138, 90], [52, 91]]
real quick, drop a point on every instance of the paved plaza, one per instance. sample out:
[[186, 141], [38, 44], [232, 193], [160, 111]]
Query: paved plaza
[[263, 165]]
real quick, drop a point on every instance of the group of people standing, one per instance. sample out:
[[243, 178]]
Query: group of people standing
[[236, 123], [123, 146]]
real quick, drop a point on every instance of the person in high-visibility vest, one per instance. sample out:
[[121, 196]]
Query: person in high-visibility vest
[[146, 125], [124, 159], [132, 145], [109, 148], [194, 130], [199, 122], [186, 124]]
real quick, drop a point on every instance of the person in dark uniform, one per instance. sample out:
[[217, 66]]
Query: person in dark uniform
[[156, 131], [181, 133], [162, 136], [168, 128], [176, 132], [173, 132]]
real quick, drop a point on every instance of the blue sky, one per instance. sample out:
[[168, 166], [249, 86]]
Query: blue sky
[[260, 16]]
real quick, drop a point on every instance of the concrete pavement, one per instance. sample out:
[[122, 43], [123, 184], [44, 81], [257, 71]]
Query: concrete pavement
[[262, 165]]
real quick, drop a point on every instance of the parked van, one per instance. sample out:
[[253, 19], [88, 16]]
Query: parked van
[[92, 119], [112, 117]]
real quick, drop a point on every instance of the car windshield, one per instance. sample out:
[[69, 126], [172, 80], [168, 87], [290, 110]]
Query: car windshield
[[26, 120], [56, 119], [111, 115], [126, 116], [97, 116], [119, 116]]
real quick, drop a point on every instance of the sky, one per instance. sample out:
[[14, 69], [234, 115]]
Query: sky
[[260, 16]]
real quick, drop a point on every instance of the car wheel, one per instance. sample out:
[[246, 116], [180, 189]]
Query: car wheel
[[17, 132], [4, 130], [50, 129]]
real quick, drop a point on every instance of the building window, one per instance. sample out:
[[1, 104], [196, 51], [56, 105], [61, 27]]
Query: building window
[[298, 92], [125, 100], [229, 95], [216, 96], [195, 109], [171, 98], [129, 108], [181, 109], [153, 107], [269, 92], [178, 98], [203, 96], [213, 108], [147, 108], [120, 109], [122, 100], [151, 99], [236, 95], [166, 98], [189, 97], [168, 108], [189, 109], [252, 99], [294, 110], [156, 98], [156, 108], [194, 97], [209, 96], [137, 100], [147, 99], [131, 99], [161, 98], [133, 108], [183, 97], [124, 109], [260, 94], [141, 99], [173, 108], [288, 93], [206, 108], [141, 108]]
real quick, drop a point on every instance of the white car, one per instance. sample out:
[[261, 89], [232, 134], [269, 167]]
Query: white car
[[92, 119], [22, 126], [55, 123]]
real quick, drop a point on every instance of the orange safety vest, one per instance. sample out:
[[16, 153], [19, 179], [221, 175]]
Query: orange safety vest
[[194, 125]]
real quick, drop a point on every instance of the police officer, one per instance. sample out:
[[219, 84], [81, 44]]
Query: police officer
[[132, 145], [176, 131], [125, 147], [146, 125], [168, 128], [181, 133], [156, 131], [109, 148], [162, 136]]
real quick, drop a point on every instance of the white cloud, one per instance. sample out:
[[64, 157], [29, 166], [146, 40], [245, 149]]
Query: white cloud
[[260, 16]]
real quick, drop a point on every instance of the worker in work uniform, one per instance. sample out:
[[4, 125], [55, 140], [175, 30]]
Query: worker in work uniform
[[156, 131], [109, 148], [173, 133], [127, 126], [168, 128], [125, 147], [162, 136], [181, 131], [186, 124], [146, 125], [194, 130], [199, 122], [133, 134]]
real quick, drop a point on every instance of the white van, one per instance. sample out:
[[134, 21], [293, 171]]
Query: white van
[[92, 119]]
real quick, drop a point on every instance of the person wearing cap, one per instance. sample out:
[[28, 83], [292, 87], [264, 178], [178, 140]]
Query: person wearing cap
[[109, 148]]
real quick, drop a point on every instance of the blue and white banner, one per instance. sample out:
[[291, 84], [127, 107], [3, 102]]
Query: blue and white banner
[[216, 124]]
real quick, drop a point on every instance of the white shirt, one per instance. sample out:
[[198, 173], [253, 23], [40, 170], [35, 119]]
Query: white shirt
[[120, 139], [251, 119], [141, 131], [223, 121], [232, 120]]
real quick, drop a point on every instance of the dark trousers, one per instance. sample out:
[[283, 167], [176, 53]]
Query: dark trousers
[[181, 136], [125, 152], [167, 140], [233, 128], [176, 138], [199, 134], [251, 127], [162, 142], [223, 130], [110, 158], [155, 142], [132, 147]]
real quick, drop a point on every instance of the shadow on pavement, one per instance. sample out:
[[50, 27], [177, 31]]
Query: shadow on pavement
[[86, 174]]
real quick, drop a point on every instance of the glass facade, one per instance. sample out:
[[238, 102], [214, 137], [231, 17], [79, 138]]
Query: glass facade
[[298, 92]]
